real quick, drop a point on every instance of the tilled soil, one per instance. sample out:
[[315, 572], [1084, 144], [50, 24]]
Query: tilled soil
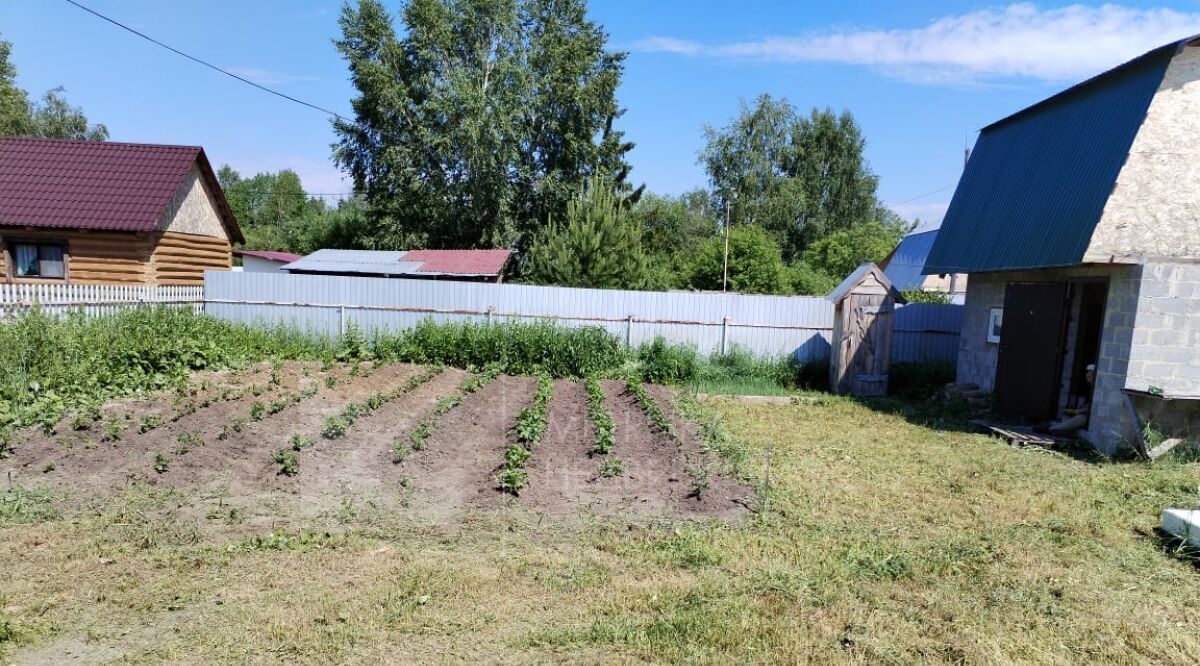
[[244, 461], [457, 468], [723, 495], [456, 472], [361, 463], [94, 461]]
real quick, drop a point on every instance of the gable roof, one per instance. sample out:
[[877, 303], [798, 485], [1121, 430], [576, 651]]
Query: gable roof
[[1037, 182], [905, 264], [859, 275], [71, 184], [418, 263]]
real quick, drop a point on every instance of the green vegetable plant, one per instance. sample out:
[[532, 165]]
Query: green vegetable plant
[[289, 464], [187, 441], [257, 411], [300, 442], [529, 428], [610, 467], [335, 427], [605, 428], [161, 463], [419, 436], [149, 422]]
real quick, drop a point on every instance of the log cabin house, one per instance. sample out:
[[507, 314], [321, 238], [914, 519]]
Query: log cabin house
[[86, 212]]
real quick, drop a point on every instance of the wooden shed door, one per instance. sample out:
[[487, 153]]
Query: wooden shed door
[[868, 332], [1029, 365]]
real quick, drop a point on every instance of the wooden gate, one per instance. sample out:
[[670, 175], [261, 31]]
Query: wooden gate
[[862, 333]]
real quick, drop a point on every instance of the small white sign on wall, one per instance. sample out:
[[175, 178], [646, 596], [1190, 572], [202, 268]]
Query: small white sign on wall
[[995, 321]]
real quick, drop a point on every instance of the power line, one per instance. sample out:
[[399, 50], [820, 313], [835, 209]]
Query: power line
[[210, 65], [927, 194]]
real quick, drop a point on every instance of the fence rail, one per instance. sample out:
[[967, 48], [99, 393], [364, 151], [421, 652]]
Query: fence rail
[[95, 299], [768, 325]]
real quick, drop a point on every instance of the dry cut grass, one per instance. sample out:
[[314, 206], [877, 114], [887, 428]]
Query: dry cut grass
[[883, 540]]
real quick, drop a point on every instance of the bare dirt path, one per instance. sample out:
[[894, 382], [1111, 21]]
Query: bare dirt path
[[456, 469], [724, 496], [562, 473]]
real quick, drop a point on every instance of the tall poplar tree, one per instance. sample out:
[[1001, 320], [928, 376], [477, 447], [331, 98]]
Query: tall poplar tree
[[481, 122]]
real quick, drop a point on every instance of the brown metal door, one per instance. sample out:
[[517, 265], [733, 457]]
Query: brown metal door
[[1029, 366]]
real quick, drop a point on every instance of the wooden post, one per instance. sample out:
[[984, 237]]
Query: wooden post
[[629, 332], [342, 320]]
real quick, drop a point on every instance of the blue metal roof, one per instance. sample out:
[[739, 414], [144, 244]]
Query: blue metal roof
[[1036, 185], [906, 265]]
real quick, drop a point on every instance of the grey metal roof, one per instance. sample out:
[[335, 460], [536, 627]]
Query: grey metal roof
[[358, 262], [1036, 185], [907, 262]]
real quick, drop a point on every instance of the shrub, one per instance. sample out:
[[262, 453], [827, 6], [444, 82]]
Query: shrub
[[512, 348], [922, 296], [664, 363], [289, 464], [50, 363]]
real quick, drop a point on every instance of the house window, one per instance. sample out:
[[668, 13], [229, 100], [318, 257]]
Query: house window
[[38, 260]]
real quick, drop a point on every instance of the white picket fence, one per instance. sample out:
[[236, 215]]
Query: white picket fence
[[94, 300]]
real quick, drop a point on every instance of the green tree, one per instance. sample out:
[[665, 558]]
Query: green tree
[[480, 123], [800, 178], [839, 253], [808, 281], [15, 119], [755, 265], [673, 228], [599, 246], [51, 117], [276, 213]]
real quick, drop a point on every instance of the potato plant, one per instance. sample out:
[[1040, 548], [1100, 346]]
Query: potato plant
[[605, 428], [420, 433], [651, 408], [529, 428], [289, 464]]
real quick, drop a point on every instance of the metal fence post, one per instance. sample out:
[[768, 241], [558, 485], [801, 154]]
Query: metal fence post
[[724, 334], [490, 310], [342, 320], [629, 332]]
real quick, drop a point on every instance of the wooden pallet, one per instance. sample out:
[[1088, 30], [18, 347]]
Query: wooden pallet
[[1022, 435]]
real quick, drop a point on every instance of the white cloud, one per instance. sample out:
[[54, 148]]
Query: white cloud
[[266, 77], [930, 214], [1017, 41]]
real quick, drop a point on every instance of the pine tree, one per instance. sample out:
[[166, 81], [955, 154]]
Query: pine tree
[[599, 246]]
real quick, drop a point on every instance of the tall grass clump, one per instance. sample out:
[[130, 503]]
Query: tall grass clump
[[514, 348], [739, 371], [52, 363], [661, 362]]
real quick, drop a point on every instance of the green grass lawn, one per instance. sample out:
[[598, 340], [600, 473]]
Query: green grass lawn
[[883, 541]]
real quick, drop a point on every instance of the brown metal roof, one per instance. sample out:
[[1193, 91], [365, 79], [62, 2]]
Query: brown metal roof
[[70, 184]]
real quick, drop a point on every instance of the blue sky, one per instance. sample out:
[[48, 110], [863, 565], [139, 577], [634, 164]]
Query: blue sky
[[920, 77]]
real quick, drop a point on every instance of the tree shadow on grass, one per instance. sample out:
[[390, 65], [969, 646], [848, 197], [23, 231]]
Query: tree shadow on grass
[[956, 415]]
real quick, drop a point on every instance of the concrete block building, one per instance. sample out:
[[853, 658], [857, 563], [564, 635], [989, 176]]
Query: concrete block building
[[1078, 222]]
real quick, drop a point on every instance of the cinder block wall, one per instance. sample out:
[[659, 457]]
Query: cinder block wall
[[977, 358], [1164, 350]]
